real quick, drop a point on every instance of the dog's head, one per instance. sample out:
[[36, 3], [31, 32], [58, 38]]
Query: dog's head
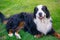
[[41, 12]]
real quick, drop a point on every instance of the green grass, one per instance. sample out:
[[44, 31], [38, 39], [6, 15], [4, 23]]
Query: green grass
[[11, 7]]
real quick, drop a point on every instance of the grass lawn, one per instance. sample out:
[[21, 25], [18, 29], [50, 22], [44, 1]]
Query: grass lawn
[[11, 7]]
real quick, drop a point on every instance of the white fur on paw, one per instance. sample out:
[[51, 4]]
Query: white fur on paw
[[35, 36], [18, 36], [10, 35]]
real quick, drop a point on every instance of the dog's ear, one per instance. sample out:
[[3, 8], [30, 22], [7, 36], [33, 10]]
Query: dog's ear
[[44, 8], [35, 11]]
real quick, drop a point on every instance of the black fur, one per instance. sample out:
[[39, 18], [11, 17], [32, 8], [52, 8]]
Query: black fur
[[14, 21], [30, 26], [2, 17]]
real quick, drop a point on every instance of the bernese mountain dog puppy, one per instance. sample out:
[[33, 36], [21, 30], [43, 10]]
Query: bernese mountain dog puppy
[[39, 23]]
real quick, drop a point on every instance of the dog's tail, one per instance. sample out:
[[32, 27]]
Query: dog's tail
[[3, 19]]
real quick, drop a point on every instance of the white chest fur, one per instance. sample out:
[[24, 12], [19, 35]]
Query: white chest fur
[[44, 25]]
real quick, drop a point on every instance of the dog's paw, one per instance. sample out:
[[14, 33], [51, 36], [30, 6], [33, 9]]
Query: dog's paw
[[58, 36], [37, 36], [10, 35], [17, 36]]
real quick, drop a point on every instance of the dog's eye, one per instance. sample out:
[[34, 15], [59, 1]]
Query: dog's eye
[[44, 8]]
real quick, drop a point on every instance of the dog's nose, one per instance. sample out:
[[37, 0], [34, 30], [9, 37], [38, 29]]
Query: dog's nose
[[40, 14]]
